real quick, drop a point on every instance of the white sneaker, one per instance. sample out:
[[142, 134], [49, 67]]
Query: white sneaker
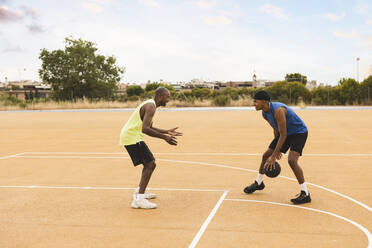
[[148, 195], [139, 202]]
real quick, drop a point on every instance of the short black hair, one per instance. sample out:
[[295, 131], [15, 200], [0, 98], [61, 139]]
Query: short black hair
[[262, 95], [160, 91]]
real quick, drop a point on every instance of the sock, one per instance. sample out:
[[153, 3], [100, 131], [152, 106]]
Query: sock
[[259, 178], [140, 196], [304, 188]]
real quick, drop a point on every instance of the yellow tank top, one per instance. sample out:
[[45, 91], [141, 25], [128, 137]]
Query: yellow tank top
[[131, 133]]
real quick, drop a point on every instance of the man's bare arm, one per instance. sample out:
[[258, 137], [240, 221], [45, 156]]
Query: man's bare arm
[[149, 111], [279, 115]]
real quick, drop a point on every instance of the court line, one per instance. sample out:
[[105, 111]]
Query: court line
[[215, 165], [67, 157], [208, 220], [12, 155], [362, 228], [103, 188], [213, 154]]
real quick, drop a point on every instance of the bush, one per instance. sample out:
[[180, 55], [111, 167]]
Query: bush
[[133, 98], [134, 90], [9, 100], [221, 100]]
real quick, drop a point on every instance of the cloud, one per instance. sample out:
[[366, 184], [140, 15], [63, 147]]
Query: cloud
[[31, 12], [346, 35], [218, 20], [93, 7], [361, 7], [35, 28], [13, 49], [7, 15], [369, 22], [151, 3], [367, 42], [274, 11], [335, 17], [231, 13], [206, 4]]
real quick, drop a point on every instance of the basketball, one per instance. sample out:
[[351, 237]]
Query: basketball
[[274, 172]]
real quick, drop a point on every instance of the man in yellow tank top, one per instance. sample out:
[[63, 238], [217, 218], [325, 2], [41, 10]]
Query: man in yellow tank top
[[131, 137]]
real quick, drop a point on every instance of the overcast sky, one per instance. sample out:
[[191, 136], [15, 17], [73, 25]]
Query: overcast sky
[[179, 40]]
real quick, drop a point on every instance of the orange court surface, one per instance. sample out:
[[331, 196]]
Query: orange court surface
[[66, 182]]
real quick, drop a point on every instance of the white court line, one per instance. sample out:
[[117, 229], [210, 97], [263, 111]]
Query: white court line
[[67, 157], [208, 220], [102, 188], [11, 156], [362, 228], [211, 154], [215, 165]]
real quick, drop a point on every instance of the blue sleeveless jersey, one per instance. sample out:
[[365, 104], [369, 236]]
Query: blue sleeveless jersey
[[294, 123]]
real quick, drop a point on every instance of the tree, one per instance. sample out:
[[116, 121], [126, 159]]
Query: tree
[[350, 91], [155, 85], [296, 77], [77, 71], [366, 90], [289, 92], [201, 93], [134, 90]]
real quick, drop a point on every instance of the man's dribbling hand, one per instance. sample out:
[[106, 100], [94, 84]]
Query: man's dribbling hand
[[269, 163], [277, 155]]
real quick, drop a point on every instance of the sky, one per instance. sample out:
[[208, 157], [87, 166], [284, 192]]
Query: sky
[[181, 40]]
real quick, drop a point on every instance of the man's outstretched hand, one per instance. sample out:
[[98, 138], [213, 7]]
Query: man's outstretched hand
[[173, 132]]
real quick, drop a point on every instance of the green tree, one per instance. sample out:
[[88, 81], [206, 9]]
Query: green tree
[[134, 90], [323, 95], [289, 92], [78, 72], [155, 85], [296, 77], [201, 93], [366, 90], [350, 91]]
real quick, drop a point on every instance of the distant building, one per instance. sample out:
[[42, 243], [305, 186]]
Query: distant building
[[240, 84], [26, 89], [311, 85]]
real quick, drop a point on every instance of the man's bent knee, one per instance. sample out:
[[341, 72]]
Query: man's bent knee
[[150, 165], [292, 162]]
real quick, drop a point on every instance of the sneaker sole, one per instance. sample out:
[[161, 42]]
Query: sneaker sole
[[138, 207], [298, 203]]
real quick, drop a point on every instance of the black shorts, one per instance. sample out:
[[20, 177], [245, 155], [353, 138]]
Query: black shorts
[[295, 141], [140, 153]]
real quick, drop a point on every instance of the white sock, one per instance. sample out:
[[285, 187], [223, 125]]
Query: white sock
[[140, 196], [304, 188], [259, 178]]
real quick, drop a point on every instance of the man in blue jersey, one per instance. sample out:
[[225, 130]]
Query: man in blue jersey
[[289, 132]]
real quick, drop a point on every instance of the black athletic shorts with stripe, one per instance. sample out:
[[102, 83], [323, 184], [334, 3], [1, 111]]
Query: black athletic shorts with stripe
[[140, 153], [295, 141]]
